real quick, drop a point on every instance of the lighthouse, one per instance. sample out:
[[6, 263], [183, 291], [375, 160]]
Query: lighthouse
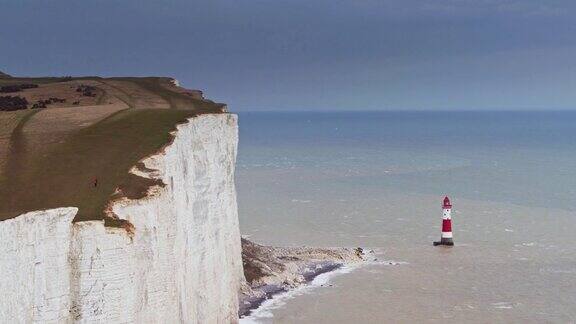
[[446, 224]]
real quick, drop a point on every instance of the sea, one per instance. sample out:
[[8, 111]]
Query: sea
[[377, 180]]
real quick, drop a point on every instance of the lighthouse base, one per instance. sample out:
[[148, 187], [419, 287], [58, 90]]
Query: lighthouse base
[[444, 241]]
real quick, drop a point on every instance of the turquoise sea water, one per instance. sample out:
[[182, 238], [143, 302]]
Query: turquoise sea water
[[377, 178]]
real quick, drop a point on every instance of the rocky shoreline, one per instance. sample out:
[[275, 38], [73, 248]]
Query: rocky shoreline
[[273, 270]]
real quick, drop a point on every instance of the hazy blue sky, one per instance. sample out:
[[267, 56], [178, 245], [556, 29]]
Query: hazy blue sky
[[311, 54]]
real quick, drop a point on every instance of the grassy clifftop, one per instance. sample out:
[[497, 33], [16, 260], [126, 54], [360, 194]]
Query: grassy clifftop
[[77, 146]]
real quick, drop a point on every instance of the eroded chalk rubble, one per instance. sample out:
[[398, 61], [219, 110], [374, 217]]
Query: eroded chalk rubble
[[272, 270]]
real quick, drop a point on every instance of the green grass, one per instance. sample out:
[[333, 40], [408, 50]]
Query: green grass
[[106, 150]]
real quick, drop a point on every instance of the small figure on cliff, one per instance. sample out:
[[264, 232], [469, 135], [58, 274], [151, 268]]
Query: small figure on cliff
[[95, 182]]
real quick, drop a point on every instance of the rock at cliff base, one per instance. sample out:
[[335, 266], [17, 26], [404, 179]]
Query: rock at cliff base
[[272, 270]]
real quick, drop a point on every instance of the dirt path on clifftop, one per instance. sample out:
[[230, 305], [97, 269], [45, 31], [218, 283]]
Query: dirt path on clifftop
[[16, 149]]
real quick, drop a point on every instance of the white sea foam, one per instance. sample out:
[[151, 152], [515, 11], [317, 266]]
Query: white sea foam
[[503, 305], [265, 311], [301, 201]]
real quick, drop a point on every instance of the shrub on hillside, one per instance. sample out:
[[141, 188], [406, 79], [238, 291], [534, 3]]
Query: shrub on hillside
[[12, 103], [87, 91], [17, 87], [44, 103]]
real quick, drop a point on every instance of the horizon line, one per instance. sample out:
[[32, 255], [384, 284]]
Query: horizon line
[[402, 110]]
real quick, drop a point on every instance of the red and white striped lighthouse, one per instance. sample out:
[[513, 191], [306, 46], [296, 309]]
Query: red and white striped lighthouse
[[446, 223]]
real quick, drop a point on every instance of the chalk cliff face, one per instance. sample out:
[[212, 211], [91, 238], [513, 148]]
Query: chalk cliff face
[[181, 264]]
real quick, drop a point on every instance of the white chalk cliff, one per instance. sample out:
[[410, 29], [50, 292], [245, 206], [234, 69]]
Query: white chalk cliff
[[182, 263]]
